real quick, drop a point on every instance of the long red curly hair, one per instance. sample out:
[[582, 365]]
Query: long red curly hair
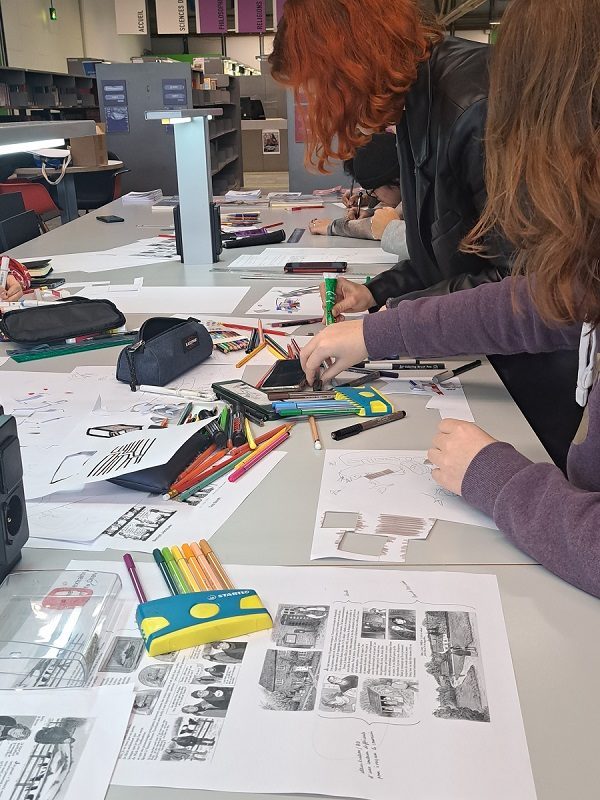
[[350, 64]]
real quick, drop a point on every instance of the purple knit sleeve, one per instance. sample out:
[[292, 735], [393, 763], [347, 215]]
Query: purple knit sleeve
[[537, 508], [479, 320]]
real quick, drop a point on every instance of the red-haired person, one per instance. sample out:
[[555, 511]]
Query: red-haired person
[[543, 180], [362, 67], [18, 281]]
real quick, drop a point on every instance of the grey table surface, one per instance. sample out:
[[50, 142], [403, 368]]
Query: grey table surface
[[550, 624]]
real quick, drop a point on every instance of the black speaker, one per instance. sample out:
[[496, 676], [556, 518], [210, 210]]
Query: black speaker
[[14, 530]]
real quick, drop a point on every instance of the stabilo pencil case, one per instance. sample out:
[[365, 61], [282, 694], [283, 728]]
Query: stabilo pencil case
[[163, 350], [158, 480], [60, 320]]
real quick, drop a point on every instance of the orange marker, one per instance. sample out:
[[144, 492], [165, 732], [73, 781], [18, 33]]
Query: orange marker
[[209, 553], [211, 575], [195, 567]]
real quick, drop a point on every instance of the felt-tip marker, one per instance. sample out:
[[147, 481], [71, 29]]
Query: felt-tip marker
[[376, 422], [453, 373]]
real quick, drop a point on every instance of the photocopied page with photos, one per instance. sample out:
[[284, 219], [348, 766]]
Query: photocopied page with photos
[[370, 499], [61, 744], [280, 256], [366, 679]]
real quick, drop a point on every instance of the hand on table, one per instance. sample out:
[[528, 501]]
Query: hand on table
[[342, 343], [350, 297], [381, 219], [453, 448], [319, 227], [13, 291]]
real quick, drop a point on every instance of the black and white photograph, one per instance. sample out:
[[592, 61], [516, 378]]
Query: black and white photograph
[[193, 739], [213, 701], [213, 674], [15, 729], [48, 767], [123, 655], [271, 142], [224, 652], [300, 626], [456, 665], [373, 623], [388, 697], [144, 702], [289, 680], [139, 523], [339, 694], [402, 624], [155, 675]]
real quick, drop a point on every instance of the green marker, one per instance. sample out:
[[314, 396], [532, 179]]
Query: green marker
[[330, 279], [174, 571]]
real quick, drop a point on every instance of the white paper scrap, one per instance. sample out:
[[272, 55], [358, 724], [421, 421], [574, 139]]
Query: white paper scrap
[[280, 256]]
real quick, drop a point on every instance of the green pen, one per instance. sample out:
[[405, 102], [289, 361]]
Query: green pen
[[174, 571]]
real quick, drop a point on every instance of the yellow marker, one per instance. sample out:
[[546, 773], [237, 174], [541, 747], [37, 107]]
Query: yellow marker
[[251, 355], [275, 353], [195, 567], [262, 447], [191, 581], [249, 436]]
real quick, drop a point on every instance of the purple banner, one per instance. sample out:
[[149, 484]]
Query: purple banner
[[211, 16], [277, 11], [250, 16]]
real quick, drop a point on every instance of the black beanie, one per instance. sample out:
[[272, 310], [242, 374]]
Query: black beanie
[[376, 163]]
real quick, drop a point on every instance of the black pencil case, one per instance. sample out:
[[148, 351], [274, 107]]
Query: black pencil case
[[164, 349], [249, 241], [158, 480], [63, 319]]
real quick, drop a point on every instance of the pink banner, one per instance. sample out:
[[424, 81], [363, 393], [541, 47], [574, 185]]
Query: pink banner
[[211, 16], [250, 16]]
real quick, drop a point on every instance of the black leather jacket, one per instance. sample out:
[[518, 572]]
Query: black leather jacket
[[440, 148]]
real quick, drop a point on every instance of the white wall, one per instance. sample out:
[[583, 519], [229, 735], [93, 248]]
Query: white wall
[[100, 38], [34, 42], [246, 48]]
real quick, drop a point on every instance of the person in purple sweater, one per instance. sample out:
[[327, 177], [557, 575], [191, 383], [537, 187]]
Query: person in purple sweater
[[543, 182]]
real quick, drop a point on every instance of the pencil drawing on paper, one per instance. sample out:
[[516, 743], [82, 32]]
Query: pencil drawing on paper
[[289, 680], [455, 664]]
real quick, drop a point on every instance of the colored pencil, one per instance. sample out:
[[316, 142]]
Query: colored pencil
[[292, 324], [275, 345], [212, 576], [261, 334], [251, 355], [178, 579], [196, 462], [249, 437], [135, 578], [265, 376], [275, 353], [201, 577], [251, 328], [161, 564], [210, 554], [209, 478], [315, 433], [257, 456], [189, 578]]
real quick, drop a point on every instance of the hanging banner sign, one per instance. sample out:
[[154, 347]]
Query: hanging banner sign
[[277, 12], [132, 16], [171, 16], [211, 16], [250, 16]]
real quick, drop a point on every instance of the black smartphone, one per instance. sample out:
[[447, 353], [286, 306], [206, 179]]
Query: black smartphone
[[287, 376], [315, 266], [51, 283], [110, 218]]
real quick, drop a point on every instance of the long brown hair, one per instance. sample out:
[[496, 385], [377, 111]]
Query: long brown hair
[[350, 63], [543, 153]]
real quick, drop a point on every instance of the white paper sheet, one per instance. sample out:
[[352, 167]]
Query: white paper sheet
[[280, 256], [133, 521], [87, 459], [453, 404], [367, 679], [45, 405], [64, 743], [366, 495], [282, 300], [173, 299]]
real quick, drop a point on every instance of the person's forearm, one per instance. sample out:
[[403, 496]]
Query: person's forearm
[[539, 511], [353, 228], [394, 238], [480, 320]]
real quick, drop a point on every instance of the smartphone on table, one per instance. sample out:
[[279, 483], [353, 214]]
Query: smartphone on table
[[110, 218], [313, 267]]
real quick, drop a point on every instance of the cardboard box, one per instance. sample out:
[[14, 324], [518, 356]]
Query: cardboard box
[[90, 151]]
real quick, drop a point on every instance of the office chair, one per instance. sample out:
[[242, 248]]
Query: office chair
[[35, 197], [96, 189], [18, 229]]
